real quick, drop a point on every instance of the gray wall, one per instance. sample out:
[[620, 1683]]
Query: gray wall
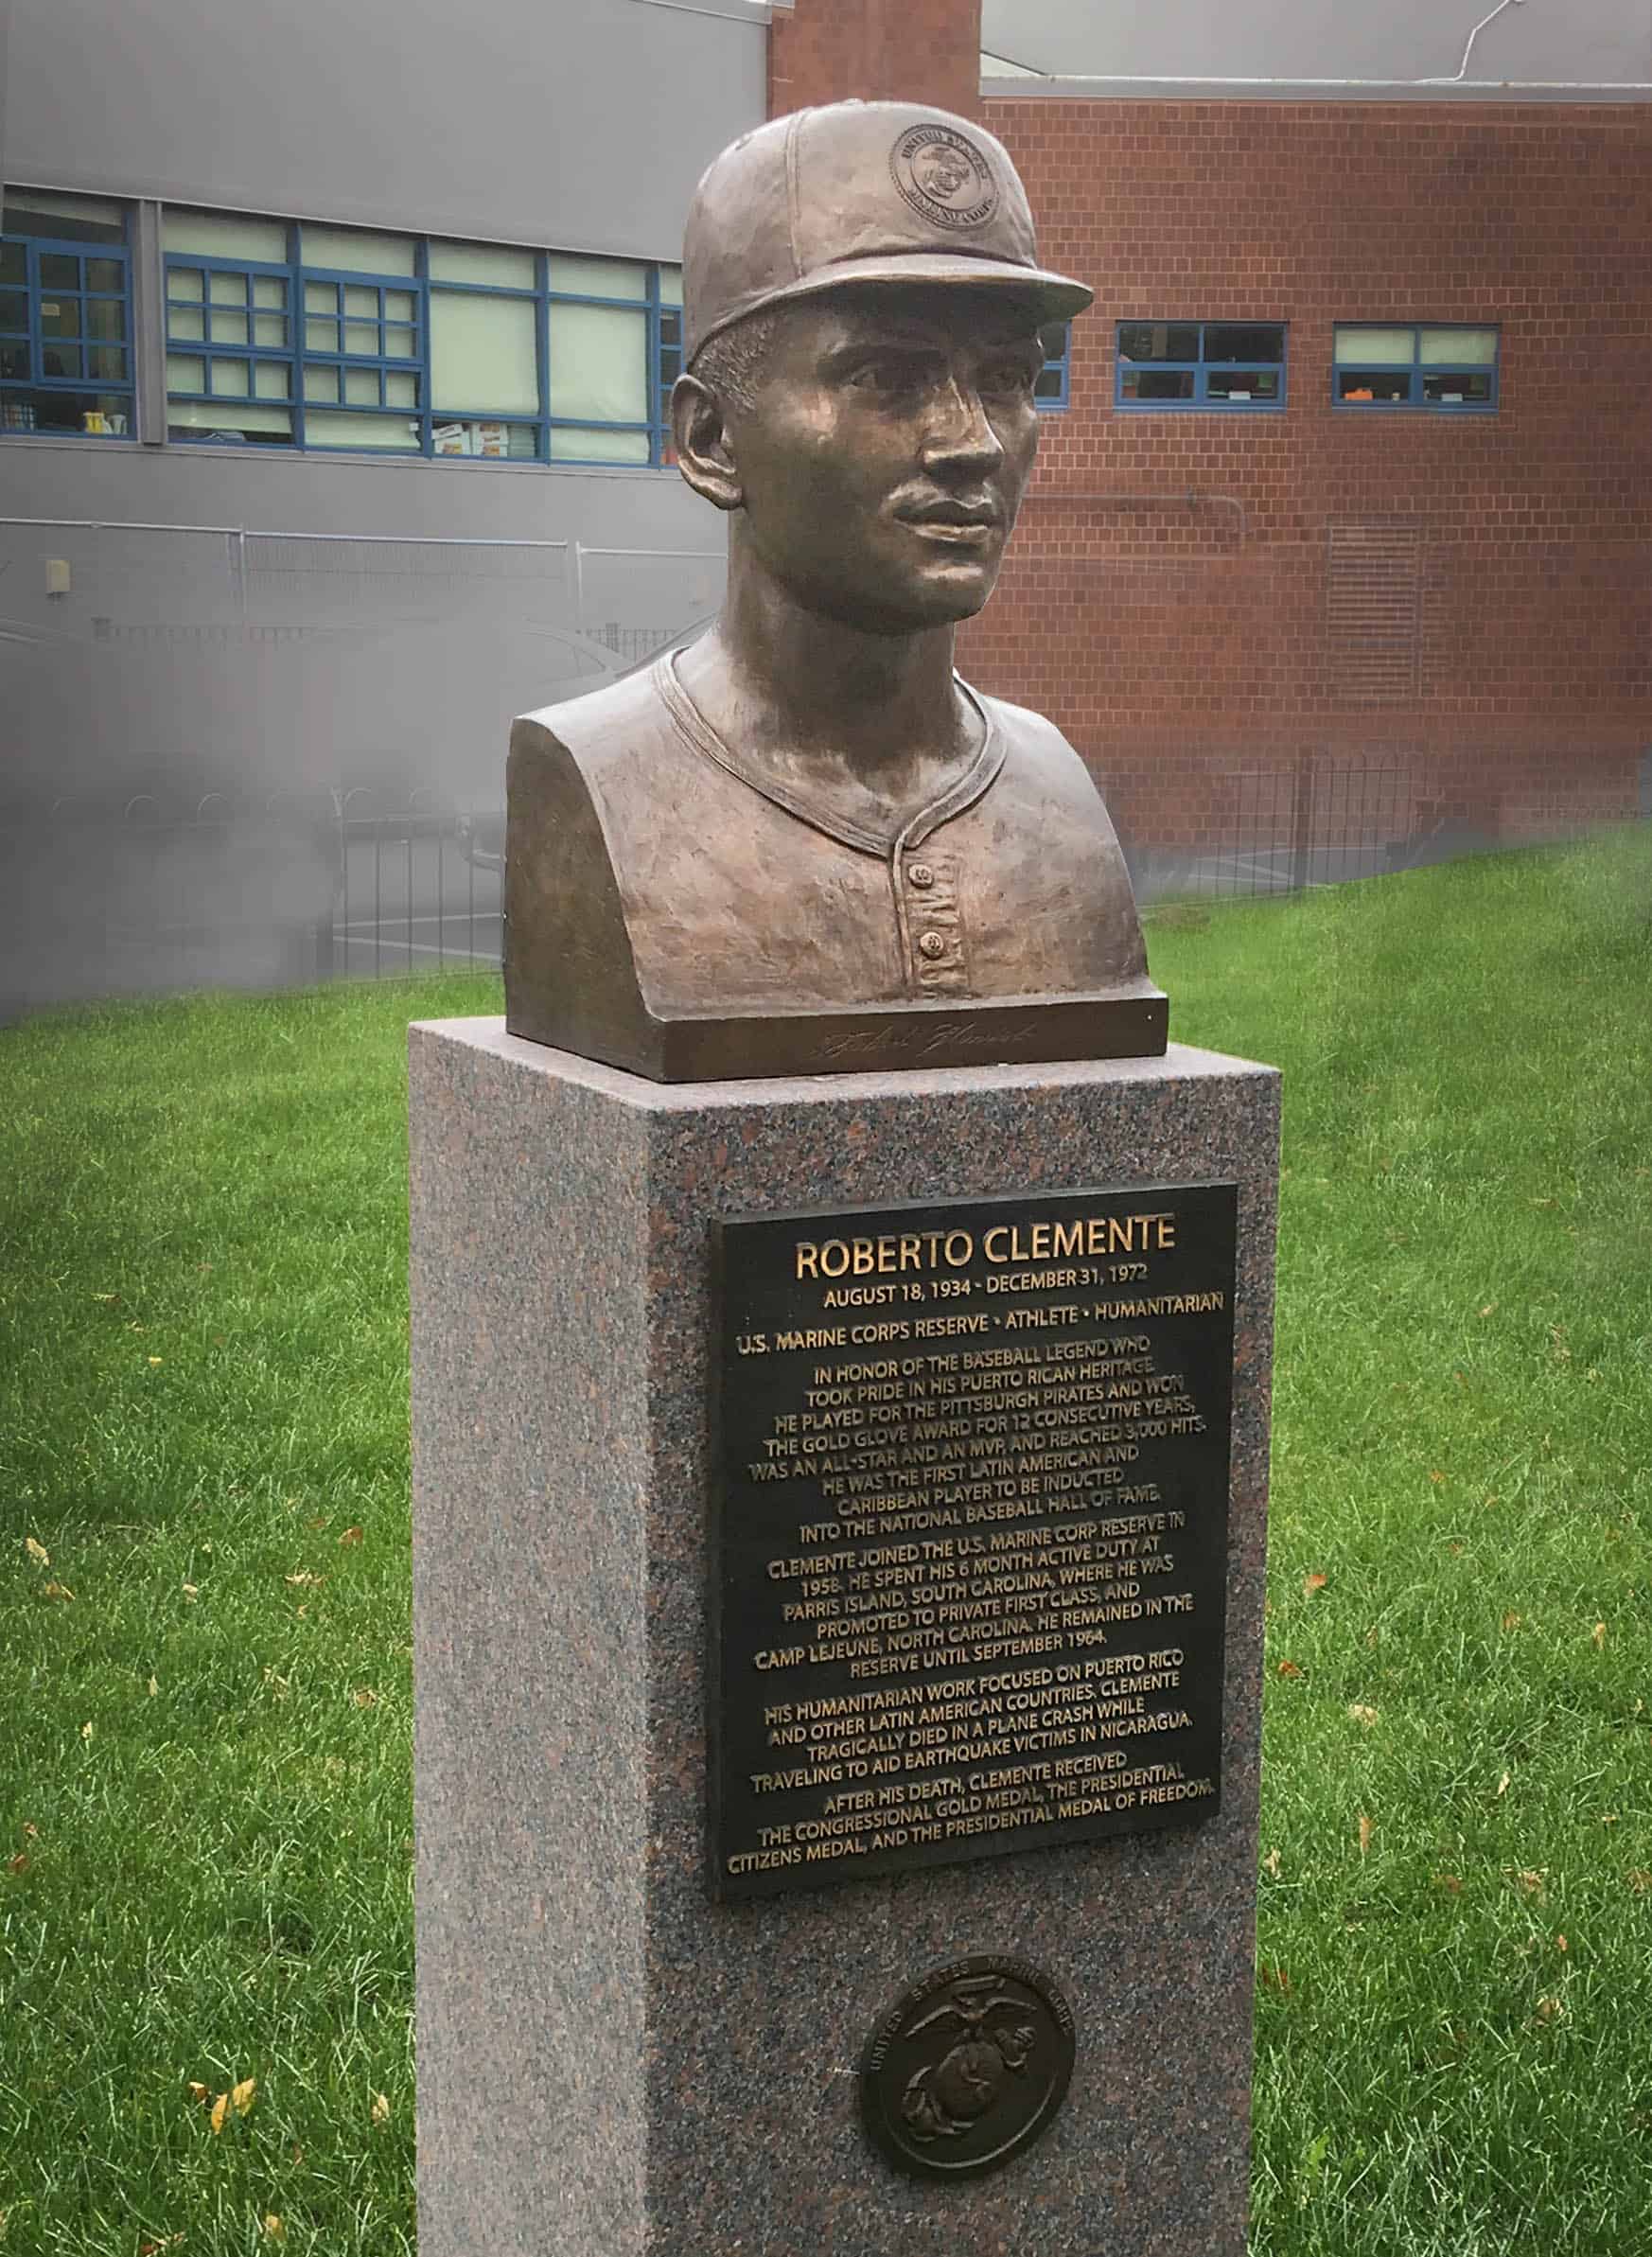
[[1610, 40], [578, 123]]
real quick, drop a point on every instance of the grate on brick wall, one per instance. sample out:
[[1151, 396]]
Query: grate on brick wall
[[1374, 611]]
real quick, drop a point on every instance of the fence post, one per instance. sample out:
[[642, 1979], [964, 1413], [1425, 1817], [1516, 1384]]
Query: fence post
[[1302, 821]]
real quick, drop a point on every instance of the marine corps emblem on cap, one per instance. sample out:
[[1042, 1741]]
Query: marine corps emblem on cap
[[944, 177]]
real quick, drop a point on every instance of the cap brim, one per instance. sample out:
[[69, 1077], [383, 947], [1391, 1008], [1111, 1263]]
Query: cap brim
[[1052, 297]]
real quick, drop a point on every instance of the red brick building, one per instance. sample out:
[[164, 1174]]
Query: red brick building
[[1220, 603]]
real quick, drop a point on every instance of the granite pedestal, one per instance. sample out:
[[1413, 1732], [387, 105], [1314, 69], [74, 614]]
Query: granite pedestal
[[612, 2064]]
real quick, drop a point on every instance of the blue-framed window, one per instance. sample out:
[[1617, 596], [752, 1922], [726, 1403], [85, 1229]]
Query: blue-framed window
[[1443, 368], [1052, 388], [299, 335], [65, 317], [1235, 367]]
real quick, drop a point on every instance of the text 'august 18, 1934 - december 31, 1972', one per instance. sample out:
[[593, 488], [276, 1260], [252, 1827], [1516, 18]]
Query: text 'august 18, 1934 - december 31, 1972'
[[970, 1530]]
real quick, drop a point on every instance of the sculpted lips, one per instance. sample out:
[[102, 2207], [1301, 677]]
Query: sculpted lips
[[946, 517]]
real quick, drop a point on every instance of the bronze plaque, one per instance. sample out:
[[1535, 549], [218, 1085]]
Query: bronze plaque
[[969, 1530], [967, 2068]]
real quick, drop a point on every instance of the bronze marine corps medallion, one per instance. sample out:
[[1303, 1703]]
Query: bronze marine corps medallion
[[967, 2068]]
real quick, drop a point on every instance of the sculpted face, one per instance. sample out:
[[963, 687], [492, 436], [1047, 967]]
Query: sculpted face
[[882, 462]]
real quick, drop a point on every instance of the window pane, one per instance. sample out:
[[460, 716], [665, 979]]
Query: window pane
[[13, 263], [229, 328], [270, 328], [186, 282], [258, 426], [400, 306], [1241, 385], [186, 325], [230, 379], [106, 317], [400, 342], [227, 290], [68, 218], [361, 385], [105, 273], [319, 383], [1382, 346], [598, 277], [355, 251], [185, 372], [482, 263], [61, 361], [599, 368], [1463, 349], [671, 286], [87, 415], [13, 309], [320, 337], [14, 363], [1463, 387], [362, 337], [58, 272], [269, 290], [1048, 384], [107, 361], [400, 391], [333, 427], [1230, 342], [223, 234], [495, 441], [359, 299], [1158, 384], [1373, 387], [1158, 340], [598, 446], [59, 317], [483, 354], [272, 380], [321, 297]]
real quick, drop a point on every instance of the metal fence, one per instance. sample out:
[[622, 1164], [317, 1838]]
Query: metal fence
[[1314, 823]]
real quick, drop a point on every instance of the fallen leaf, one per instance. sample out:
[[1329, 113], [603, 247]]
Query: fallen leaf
[[1276, 1976], [154, 1359], [1561, 1944], [199, 2093], [30, 1830], [1528, 1881], [1449, 1882], [56, 1591], [192, 1591], [380, 2111], [1365, 1830], [318, 1524], [351, 1536], [1511, 1620], [1490, 1310], [219, 2111], [1597, 1636], [365, 1697], [1289, 1669], [1551, 2010], [301, 1576], [154, 1688], [274, 2228], [1503, 1784], [1438, 1479], [1639, 1879], [86, 1729], [20, 1863], [1271, 1864], [1361, 1715], [109, 1300], [1371, 1637], [241, 2095], [36, 1552], [1313, 1582]]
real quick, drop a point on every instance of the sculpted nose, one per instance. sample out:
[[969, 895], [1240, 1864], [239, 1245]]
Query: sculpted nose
[[958, 435]]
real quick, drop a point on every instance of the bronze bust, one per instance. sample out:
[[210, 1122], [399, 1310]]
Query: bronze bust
[[804, 844]]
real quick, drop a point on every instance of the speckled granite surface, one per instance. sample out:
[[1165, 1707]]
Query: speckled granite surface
[[609, 2065]]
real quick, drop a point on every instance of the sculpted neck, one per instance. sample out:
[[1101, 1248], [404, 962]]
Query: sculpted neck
[[808, 692]]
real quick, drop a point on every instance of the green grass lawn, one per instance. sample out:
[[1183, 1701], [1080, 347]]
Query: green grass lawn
[[204, 1760]]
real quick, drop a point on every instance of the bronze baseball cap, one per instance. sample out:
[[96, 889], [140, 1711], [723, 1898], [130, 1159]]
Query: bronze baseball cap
[[860, 192]]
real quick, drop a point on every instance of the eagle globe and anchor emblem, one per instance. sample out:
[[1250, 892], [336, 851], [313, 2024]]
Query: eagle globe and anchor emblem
[[967, 2068], [944, 177]]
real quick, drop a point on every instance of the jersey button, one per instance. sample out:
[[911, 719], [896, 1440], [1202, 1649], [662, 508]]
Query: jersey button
[[920, 873], [931, 944]]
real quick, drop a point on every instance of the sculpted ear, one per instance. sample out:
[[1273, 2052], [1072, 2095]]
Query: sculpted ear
[[700, 434]]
